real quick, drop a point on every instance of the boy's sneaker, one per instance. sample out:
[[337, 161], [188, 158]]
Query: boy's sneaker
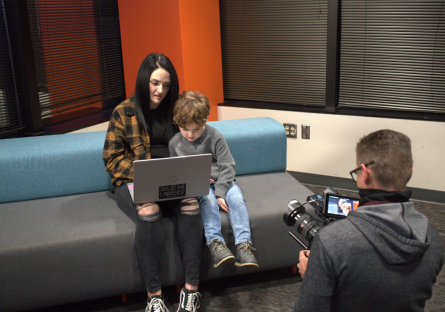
[[244, 255], [156, 304], [220, 253], [189, 300]]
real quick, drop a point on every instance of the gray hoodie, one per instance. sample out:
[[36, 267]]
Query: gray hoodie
[[210, 141], [397, 231], [380, 258]]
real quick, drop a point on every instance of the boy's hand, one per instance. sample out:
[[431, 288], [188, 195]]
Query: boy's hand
[[222, 204]]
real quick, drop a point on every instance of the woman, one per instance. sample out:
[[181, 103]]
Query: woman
[[140, 128]]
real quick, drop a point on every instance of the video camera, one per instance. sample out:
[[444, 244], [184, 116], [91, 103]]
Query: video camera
[[324, 210]]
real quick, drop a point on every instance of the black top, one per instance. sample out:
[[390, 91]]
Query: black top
[[158, 139]]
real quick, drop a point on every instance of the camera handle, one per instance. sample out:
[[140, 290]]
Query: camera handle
[[298, 240]]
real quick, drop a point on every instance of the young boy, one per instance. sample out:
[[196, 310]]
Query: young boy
[[195, 137]]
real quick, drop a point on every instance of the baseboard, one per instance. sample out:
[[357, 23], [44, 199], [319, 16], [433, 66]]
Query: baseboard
[[349, 184]]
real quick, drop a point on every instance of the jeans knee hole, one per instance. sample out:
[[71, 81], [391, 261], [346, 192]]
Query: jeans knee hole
[[191, 212], [149, 217]]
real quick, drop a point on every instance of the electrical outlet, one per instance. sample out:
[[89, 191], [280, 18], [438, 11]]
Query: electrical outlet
[[305, 132], [291, 130]]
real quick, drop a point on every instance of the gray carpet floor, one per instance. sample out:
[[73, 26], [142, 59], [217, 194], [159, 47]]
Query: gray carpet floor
[[265, 291]]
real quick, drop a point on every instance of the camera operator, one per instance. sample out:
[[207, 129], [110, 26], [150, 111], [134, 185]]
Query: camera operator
[[384, 256]]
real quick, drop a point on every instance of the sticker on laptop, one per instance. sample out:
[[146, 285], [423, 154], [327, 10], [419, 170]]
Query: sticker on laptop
[[172, 191]]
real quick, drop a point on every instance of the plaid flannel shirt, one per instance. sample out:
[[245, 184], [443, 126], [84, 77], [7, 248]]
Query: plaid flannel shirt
[[125, 142]]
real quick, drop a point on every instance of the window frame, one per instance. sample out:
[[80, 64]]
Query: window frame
[[84, 115], [333, 84]]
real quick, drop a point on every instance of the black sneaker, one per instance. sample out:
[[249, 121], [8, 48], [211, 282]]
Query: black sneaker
[[220, 253], [189, 300], [156, 304], [244, 255]]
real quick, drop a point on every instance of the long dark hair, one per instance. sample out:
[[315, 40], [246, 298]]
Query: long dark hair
[[152, 62]]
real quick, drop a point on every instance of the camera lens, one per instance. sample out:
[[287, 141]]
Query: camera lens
[[296, 216], [310, 229], [306, 226], [287, 220], [288, 216]]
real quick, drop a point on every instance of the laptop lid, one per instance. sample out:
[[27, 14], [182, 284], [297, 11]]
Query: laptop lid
[[171, 178]]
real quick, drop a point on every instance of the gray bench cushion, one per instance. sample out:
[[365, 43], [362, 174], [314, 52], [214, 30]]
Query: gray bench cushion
[[80, 247], [72, 248], [267, 196]]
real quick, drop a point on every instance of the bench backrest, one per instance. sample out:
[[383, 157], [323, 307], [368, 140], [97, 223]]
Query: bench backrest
[[66, 164]]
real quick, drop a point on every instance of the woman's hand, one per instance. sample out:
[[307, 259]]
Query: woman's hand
[[222, 204]]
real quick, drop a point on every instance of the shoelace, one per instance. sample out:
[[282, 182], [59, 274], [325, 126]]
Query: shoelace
[[191, 305], [156, 305], [218, 246], [247, 248]]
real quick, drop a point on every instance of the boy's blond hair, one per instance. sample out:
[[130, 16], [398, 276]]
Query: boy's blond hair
[[191, 107]]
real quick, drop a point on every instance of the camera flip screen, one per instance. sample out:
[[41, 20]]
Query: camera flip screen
[[339, 206]]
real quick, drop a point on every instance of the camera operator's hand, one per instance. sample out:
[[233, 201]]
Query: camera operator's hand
[[304, 257]]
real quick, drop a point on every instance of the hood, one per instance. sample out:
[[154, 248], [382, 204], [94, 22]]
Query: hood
[[396, 230]]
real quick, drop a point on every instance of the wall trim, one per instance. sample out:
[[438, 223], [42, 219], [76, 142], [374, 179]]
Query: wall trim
[[348, 184]]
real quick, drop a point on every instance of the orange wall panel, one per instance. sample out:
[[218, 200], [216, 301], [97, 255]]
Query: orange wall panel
[[201, 48], [149, 26], [187, 31]]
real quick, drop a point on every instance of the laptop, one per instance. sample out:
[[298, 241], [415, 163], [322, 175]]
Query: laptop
[[170, 178]]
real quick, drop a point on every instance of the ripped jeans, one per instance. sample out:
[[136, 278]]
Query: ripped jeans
[[150, 239]]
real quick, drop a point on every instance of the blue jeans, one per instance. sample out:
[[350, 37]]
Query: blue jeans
[[238, 215]]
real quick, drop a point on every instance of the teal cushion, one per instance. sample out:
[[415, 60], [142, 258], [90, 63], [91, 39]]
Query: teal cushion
[[67, 164], [257, 144], [52, 165]]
